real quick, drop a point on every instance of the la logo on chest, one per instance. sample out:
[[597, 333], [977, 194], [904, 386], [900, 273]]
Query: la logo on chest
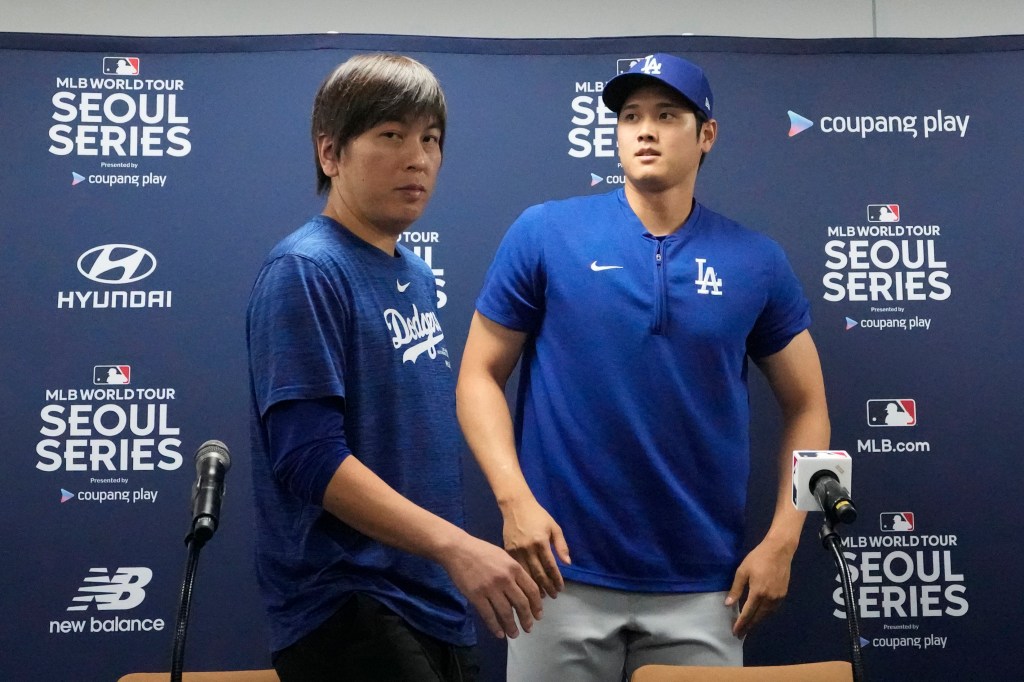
[[707, 281]]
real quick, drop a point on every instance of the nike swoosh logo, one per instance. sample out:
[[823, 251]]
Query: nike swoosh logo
[[598, 268], [402, 287]]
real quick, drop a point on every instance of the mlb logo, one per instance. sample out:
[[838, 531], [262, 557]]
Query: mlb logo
[[624, 65], [896, 522], [816, 453], [107, 375], [883, 213], [892, 412], [121, 66]]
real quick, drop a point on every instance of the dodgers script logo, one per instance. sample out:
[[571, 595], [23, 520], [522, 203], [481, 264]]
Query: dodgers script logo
[[421, 332]]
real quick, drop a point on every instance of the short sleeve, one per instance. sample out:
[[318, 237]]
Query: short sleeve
[[296, 325], [786, 312], [513, 290]]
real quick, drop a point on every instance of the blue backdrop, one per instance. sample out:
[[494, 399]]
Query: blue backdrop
[[145, 180]]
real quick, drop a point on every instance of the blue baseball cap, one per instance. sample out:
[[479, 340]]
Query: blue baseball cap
[[684, 77]]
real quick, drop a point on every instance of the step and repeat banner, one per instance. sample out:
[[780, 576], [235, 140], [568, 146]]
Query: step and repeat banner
[[145, 180]]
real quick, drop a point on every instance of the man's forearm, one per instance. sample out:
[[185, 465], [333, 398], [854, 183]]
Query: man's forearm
[[362, 500], [487, 424], [529, 533], [806, 430], [490, 356]]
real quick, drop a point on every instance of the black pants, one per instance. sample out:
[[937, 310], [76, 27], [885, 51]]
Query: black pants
[[366, 641]]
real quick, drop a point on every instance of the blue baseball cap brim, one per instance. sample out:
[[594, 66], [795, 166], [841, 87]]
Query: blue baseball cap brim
[[686, 78]]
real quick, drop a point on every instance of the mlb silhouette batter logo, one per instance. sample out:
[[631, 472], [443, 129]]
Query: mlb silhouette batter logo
[[896, 522], [883, 213], [624, 65], [892, 412], [121, 66], [111, 375]]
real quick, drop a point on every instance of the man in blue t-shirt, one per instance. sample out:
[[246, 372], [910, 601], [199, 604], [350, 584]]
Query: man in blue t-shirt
[[622, 480], [361, 557]]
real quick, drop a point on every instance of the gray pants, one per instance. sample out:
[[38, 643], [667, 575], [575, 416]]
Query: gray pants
[[594, 634]]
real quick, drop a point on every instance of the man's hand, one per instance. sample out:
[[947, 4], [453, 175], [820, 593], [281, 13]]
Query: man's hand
[[764, 575], [529, 534], [494, 584], [794, 374]]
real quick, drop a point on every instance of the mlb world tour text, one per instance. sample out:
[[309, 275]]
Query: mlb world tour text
[[118, 123], [904, 577], [887, 269], [108, 437]]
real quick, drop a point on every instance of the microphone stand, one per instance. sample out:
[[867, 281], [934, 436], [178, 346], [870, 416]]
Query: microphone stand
[[831, 541], [212, 462], [195, 541]]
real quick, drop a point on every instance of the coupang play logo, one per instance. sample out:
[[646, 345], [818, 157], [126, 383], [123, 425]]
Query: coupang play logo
[[798, 124], [925, 126]]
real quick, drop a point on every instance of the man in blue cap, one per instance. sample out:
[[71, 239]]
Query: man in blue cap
[[623, 480]]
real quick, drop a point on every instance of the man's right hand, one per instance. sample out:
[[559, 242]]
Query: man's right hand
[[529, 534], [494, 584]]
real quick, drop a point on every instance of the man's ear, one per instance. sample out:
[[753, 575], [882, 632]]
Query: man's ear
[[328, 155], [708, 135]]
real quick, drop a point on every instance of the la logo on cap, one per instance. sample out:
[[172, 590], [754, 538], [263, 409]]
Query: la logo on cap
[[652, 67]]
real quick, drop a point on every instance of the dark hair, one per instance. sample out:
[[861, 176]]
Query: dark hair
[[368, 90]]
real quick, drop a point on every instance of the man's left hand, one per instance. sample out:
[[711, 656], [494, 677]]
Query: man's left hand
[[764, 576]]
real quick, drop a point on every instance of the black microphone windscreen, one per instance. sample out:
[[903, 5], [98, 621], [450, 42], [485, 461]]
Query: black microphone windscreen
[[216, 449]]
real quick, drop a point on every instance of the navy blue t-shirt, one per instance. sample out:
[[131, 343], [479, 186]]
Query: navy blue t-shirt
[[332, 317], [633, 418]]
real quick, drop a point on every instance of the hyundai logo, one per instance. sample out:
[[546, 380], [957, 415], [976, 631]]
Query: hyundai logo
[[116, 264]]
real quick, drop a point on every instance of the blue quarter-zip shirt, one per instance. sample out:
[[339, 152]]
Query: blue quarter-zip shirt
[[632, 419]]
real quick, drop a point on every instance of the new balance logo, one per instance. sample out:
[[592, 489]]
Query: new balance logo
[[652, 67], [119, 592], [707, 281]]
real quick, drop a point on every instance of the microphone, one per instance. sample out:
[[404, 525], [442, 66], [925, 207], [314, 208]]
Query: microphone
[[212, 462], [821, 482]]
